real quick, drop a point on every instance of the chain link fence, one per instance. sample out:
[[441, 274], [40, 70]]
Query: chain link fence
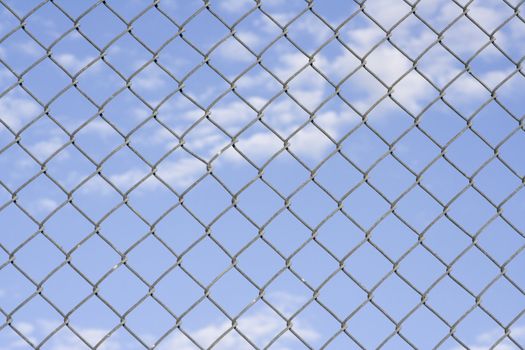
[[262, 174]]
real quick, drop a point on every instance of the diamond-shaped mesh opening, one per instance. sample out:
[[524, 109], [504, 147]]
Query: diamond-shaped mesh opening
[[84, 325], [463, 26], [389, 120], [474, 283], [509, 240], [308, 194], [148, 27], [286, 233], [363, 147], [304, 266], [23, 51], [233, 303], [448, 295], [195, 321], [106, 258], [260, 274], [50, 22], [100, 15], [178, 291], [475, 323], [233, 241], [319, 321], [72, 119], [469, 201], [446, 240], [377, 266], [444, 181], [232, 58], [38, 140], [46, 92], [66, 289], [393, 237], [17, 225], [428, 209], [40, 247], [201, 270], [156, 266], [150, 321], [442, 123], [366, 216], [58, 227], [18, 288], [125, 169], [260, 314], [122, 281], [424, 338], [423, 274], [262, 174], [369, 326], [339, 228], [309, 32], [127, 55], [508, 312], [447, 13], [152, 189], [400, 306], [341, 284], [153, 84], [95, 89]]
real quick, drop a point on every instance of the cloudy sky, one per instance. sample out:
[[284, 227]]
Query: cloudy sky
[[283, 173]]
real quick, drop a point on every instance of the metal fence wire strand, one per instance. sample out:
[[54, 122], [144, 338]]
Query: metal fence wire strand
[[18, 133]]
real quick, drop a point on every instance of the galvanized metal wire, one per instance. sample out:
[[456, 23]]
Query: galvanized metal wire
[[17, 137]]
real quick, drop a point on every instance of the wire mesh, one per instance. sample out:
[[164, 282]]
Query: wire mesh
[[392, 200]]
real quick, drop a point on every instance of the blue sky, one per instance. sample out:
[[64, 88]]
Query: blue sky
[[356, 184]]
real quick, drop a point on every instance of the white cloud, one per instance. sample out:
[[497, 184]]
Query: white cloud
[[63, 339], [30, 48], [310, 142], [283, 114], [488, 15], [249, 38], [25, 327], [179, 174], [43, 149], [234, 113], [233, 51], [235, 6], [257, 146], [45, 204], [314, 29], [494, 77], [73, 63], [387, 12], [260, 325], [99, 127], [339, 66], [150, 78], [95, 186], [129, 178], [388, 63], [16, 110], [291, 63], [486, 340]]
